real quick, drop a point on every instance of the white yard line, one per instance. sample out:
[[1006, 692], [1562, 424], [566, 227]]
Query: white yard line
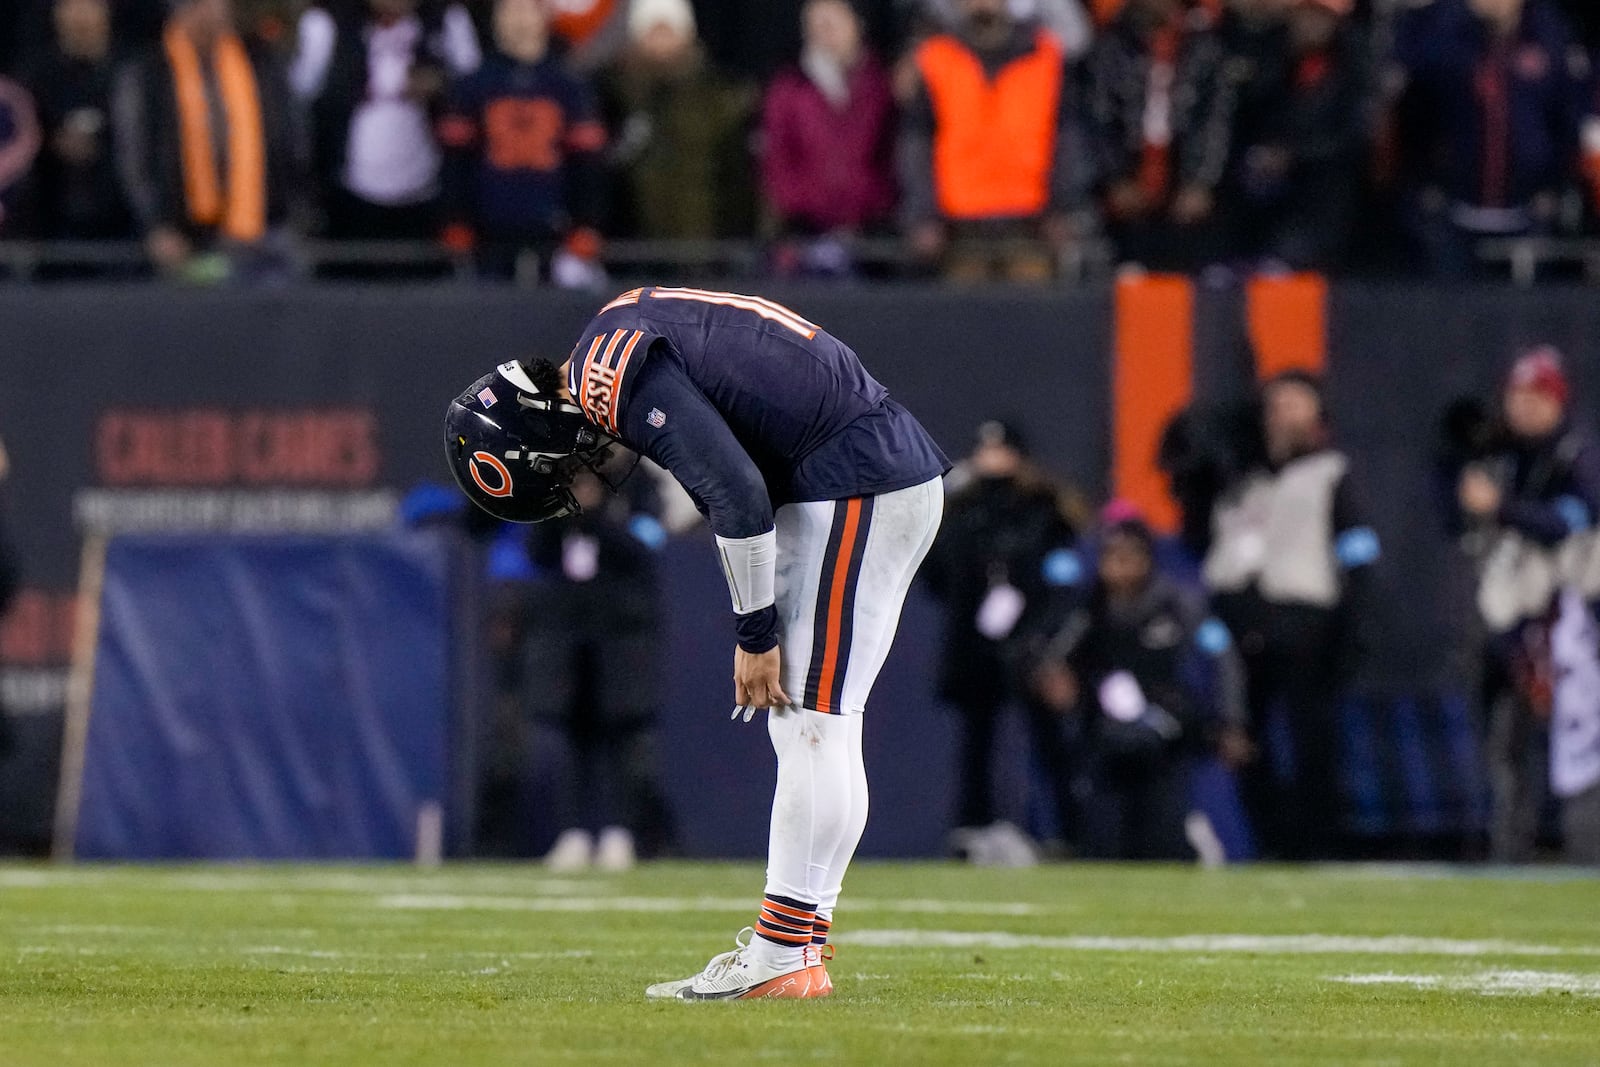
[[187, 949], [223, 880], [455, 902], [333, 954], [1266, 945], [1488, 983]]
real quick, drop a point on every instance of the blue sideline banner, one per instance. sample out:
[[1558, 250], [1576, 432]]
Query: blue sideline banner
[[268, 698]]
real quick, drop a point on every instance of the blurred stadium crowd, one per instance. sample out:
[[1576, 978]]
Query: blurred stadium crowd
[[1022, 139]]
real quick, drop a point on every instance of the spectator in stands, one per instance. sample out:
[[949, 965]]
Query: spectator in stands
[[207, 141], [991, 160], [1289, 570], [1304, 132], [1003, 563], [26, 28], [827, 135], [78, 195], [1150, 676], [1161, 112], [524, 143], [19, 146], [371, 83], [1529, 500], [1253, 34], [680, 132], [1494, 109], [592, 638], [1067, 19], [593, 32]]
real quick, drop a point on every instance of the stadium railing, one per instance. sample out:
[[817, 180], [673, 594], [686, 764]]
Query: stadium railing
[[1077, 261], [1528, 257]]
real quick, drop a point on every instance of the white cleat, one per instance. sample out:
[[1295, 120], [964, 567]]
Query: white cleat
[[668, 990], [571, 851], [737, 976], [615, 851]]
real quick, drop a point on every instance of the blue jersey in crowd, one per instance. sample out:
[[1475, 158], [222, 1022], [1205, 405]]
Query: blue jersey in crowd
[[520, 136], [748, 404]]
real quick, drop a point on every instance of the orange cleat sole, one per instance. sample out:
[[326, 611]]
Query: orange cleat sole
[[795, 986]]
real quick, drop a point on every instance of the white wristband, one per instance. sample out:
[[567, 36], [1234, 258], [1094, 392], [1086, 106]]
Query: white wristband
[[750, 564]]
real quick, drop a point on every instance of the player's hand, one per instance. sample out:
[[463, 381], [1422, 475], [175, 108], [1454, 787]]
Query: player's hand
[[756, 682]]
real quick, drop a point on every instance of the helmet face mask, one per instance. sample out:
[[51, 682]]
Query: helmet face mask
[[514, 448]]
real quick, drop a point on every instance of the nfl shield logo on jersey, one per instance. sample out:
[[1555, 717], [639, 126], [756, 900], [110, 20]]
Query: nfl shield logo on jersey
[[656, 418]]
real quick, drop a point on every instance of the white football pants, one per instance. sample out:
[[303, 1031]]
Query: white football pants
[[844, 567]]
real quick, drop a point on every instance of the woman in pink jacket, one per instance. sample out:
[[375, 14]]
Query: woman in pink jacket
[[827, 159]]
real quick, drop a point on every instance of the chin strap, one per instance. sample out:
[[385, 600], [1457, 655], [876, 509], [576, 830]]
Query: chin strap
[[596, 459]]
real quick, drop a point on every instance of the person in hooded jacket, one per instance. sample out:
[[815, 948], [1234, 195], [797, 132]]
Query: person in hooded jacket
[[1003, 562], [1156, 682]]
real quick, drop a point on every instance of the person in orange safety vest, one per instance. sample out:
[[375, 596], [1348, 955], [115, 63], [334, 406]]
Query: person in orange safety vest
[[991, 162]]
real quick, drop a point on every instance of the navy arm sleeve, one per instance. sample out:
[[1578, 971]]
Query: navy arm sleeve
[[670, 420]]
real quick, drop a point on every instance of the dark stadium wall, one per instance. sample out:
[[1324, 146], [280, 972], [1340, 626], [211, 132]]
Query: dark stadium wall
[[309, 408], [142, 409]]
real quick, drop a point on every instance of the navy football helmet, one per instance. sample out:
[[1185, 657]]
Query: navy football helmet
[[514, 443]]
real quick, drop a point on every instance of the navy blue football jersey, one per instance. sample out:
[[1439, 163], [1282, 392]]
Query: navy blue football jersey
[[739, 397]]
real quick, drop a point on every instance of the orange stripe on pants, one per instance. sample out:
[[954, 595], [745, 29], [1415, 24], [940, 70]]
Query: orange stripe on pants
[[1288, 322], [841, 578], [1152, 379]]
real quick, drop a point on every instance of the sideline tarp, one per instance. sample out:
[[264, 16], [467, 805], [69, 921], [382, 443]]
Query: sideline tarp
[[268, 698]]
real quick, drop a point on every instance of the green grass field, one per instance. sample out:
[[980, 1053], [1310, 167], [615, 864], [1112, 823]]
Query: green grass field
[[936, 964]]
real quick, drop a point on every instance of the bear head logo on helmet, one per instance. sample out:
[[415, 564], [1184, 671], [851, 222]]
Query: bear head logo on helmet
[[514, 442]]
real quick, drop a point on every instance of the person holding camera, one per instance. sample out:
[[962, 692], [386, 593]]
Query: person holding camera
[[1290, 568], [1529, 500], [1151, 675]]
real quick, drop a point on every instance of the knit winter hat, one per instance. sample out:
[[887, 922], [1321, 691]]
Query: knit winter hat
[[645, 15], [1541, 369]]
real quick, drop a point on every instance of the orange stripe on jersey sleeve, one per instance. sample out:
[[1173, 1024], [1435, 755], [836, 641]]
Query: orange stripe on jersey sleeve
[[583, 372], [611, 348], [630, 297], [622, 370]]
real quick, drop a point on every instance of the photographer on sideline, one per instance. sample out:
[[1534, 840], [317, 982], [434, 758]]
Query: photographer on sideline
[[1153, 678], [1289, 570], [1529, 500]]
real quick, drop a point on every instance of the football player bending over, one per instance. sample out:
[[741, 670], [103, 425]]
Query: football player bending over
[[824, 495]]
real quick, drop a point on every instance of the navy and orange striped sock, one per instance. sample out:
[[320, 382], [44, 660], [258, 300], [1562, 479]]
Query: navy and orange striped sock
[[819, 930], [785, 921]]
